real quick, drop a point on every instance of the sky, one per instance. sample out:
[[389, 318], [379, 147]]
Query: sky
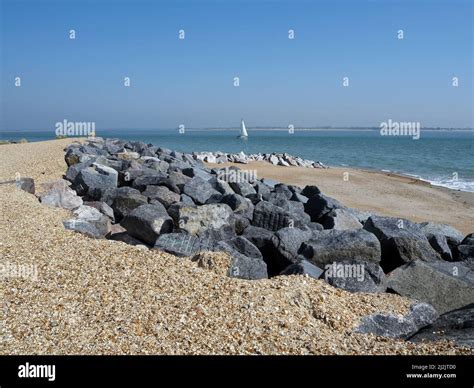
[[190, 82]]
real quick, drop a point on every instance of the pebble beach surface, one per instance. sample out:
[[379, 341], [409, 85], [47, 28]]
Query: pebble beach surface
[[105, 297]]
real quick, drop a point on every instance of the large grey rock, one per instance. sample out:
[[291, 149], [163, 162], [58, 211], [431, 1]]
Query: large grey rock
[[286, 243], [91, 182], [196, 220], [457, 326], [303, 267], [340, 219], [319, 205], [355, 276], [243, 188], [162, 194], [452, 235], [402, 241], [390, 325], [59, 194], [328, 246], [446, 286], [182, 244], [244, 267], [269, 216], [94, 217], [125, 202], [26, 184], [310, 191], [239, 204], [294, 209], [141, 182], [83, 227], [103, 208], [199, 190], [221, 186], [148, 222]]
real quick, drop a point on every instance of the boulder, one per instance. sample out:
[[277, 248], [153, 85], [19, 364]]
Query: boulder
[[244, 267], [303, 267], [243, 188], [103, 208], [269, 216], [83, 227], [286, 243], [125, 202], [328, 246], [446, 286], [91, 182], [162, 194], [340, 219], [402, 241], [142, 181], [239, 205], [26, 184], [456, 326], [319, 205], [58, 194], [94, 217], [148, 222], [355, 276], [310, 191], [182, 244], [195, 220], [395, 326], [199, 190]]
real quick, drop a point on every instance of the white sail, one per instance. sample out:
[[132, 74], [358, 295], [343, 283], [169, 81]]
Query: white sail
[[243, 130]]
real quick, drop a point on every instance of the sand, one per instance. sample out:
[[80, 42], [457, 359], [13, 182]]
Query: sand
[[105, 297]]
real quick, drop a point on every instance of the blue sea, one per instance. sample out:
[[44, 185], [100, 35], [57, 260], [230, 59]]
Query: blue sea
[[444, 158]]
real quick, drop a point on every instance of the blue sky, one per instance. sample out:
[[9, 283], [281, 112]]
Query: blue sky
[[190, 81]]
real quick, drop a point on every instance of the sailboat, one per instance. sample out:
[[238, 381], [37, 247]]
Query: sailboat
[[243, 131]]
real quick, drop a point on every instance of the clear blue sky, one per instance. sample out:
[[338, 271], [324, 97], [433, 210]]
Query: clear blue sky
[[282, 81]]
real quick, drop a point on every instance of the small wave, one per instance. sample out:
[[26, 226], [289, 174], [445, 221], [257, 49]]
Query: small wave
[[458, 184]]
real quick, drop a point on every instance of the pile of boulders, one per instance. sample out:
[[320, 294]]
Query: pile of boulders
[[277, 159], [161, 199]]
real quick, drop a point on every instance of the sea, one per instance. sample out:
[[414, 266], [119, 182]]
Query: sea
[[441, 157]]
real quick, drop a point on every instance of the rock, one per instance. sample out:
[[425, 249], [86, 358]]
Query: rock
[[457, 326], [243, 188], [162, 194], [195, 220], [103, 208], [401, 241], [261, 189], [182, 244], [239, 205], [430, 229], [84, 227], [310, 191], [269, 182], [242, 266], [58, 194], [141, 182], [243, 246], [355, 276], [241, 223], [109, 195], [328, 246], [128, 155], [319, 205], [390, 325], [294, 209], [303, 267], [221, 186], [340, 219], [273, 160], [26, 184], [125, 202], [283, 189], [260, 237], [148, 222], [269, 216], [91, 182], [299, 198], [286, 243], [199, 190], [186, 200], [468, 240], [94, 217], [446, 286], [442, 238], [197, 172]]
